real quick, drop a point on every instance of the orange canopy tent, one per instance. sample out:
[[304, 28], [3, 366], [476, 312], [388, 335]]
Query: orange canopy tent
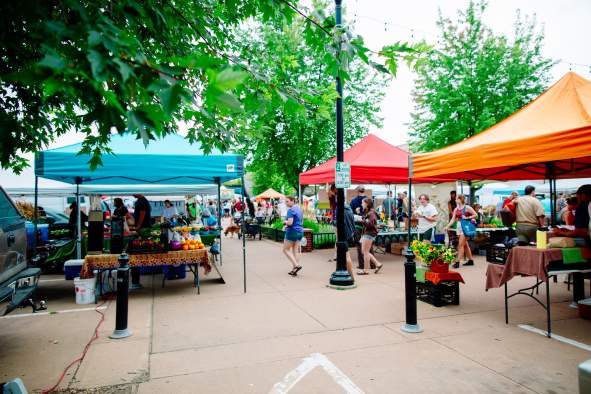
[[270, 194], [547, 139]]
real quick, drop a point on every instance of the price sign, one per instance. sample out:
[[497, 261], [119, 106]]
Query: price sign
[[342, 175]]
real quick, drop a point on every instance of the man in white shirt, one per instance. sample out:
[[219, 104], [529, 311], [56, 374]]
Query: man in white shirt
[[427, 215], [169, 211], [529, 214]]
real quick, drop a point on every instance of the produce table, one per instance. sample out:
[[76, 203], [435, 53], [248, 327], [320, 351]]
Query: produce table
[[192, 258], [383, 246], [541, 263]]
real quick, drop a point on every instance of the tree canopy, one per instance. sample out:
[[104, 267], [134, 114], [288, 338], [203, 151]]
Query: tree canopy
[[475, 78], [144, 67], [286, 136]]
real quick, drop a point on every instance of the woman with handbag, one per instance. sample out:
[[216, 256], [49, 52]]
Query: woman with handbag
[[466, 229]]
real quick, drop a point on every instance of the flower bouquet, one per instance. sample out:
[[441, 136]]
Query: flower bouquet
[[436, 257]]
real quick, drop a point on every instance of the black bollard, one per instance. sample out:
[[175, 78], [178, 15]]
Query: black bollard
[[410, 284], [121, 330]]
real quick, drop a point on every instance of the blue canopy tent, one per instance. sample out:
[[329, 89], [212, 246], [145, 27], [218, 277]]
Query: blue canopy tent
[[170, 160]]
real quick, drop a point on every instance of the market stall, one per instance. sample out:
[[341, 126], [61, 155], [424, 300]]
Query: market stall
[[372, 160], [192, 259], [169, 161], [549, 138], [270, 194]]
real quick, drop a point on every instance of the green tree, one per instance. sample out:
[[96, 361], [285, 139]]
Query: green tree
[[142, 67], [475, 78], [287, 136]]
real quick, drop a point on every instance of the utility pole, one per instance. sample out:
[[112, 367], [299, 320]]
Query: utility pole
[[341, 277]]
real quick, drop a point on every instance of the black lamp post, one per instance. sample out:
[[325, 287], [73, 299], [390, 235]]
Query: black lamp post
[[341, 277]]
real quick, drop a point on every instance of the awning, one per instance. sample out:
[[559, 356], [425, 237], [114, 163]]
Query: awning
[[372, 160], [548, 138], [171, 160]]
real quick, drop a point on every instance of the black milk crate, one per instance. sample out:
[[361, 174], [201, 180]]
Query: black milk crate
[[497, 254], [441, 294]]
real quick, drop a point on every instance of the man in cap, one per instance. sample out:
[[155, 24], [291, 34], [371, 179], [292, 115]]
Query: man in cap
[[356, 202]]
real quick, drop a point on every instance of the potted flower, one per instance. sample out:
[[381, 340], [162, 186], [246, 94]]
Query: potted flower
[[436, 257]]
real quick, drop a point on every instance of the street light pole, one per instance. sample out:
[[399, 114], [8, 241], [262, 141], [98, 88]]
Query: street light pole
[[341, 277]]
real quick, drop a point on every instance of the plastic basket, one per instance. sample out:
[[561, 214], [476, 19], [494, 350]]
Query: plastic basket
[[497, 254]]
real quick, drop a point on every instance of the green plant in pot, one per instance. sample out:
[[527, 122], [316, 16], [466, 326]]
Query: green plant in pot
[[436, 257]]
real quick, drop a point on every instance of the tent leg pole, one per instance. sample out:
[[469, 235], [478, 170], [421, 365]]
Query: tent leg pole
[[244, 233], [36, 214], [220, 217], [78, 222], [395, 207]]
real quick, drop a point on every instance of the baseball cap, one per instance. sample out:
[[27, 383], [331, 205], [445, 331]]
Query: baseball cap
[[360, 189]]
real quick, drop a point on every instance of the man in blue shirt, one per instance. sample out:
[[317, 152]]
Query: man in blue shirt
[[356, 202]]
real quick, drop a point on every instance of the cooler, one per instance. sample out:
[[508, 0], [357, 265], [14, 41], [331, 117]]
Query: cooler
[[72, 268]]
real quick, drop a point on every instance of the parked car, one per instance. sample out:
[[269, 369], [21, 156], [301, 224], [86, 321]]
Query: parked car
[[17, 282]]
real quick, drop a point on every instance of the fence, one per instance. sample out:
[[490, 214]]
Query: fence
[[324, 240]]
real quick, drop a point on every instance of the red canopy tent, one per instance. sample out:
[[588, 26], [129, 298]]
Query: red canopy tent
[[372, 160]]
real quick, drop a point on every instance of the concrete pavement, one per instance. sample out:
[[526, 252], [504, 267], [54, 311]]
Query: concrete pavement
[[225, 341]]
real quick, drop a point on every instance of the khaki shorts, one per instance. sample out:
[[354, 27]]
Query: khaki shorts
[[526, 232]]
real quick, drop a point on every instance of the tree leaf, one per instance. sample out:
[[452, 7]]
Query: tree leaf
[[229, 79], [52, 61], [97, 64], [124, 69]]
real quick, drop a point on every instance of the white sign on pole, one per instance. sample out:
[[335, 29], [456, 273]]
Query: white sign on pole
[[342, 175]]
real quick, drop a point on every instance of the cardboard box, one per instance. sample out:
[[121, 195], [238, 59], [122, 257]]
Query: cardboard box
[[397, 248]]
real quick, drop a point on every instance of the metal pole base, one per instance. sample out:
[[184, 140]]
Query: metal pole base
[[412, 328], [120, 334], [342, 279], [339, 287]]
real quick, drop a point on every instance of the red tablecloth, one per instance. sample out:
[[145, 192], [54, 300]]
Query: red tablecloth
[[105, 261], [522, 260], [436, 277]]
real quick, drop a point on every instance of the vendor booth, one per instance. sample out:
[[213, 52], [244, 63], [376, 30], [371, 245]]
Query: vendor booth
[[170, 161], [372, 160], [549, 138], [270, 194]]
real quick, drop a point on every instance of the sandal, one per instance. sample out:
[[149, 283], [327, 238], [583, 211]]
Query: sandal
[[362, 273], [378, 269], [296, 269]]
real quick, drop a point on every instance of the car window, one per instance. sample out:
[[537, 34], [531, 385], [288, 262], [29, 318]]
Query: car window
[[7, 208]]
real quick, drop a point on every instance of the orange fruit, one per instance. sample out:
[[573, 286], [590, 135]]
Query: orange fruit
[[185, 247], [192, 247]]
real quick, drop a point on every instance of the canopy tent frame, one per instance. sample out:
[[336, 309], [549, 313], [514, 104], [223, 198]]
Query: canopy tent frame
[[233, 169]]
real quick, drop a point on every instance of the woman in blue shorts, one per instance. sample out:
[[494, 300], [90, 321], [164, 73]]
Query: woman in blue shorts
[[294, 232]]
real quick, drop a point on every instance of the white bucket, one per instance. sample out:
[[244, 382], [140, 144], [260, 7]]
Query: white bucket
[[85, 290]]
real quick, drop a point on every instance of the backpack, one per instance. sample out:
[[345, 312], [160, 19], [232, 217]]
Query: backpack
[[508, 215]]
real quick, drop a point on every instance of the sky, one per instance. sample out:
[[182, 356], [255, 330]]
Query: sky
[[382, 22]]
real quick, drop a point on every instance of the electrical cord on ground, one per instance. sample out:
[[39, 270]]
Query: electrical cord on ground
[[81, 358]]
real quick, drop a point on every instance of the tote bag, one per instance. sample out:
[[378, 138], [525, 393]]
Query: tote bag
[[468, 228]]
